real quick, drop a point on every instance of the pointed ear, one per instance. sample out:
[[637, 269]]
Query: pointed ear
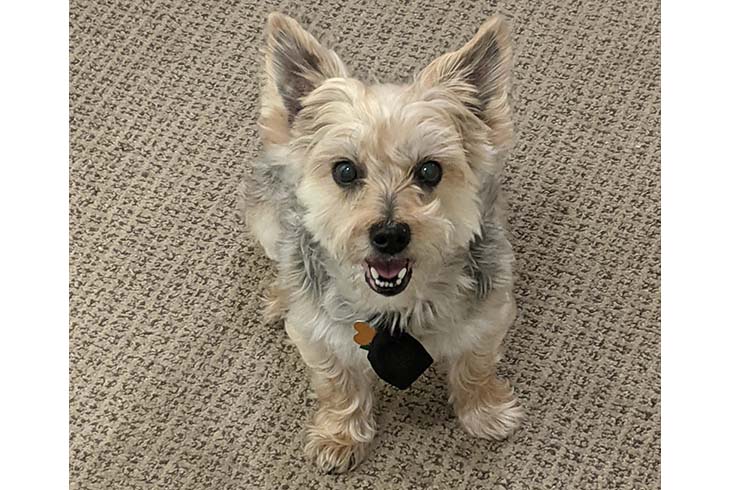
[[478, 74], [295, 64]]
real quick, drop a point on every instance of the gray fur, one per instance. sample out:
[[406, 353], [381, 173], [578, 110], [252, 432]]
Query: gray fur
[[301, 258], [303, 264], [489, 259], [266, 185]]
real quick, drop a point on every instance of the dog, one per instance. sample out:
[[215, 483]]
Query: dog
[[382, 203]]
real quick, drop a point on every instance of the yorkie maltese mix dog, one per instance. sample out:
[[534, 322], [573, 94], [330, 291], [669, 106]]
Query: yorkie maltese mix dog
[[381, 205]]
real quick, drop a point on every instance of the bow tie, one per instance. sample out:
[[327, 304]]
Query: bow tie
[[396, 357]]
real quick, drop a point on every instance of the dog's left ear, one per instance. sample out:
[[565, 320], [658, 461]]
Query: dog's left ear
[[478, 74], [295, 64]]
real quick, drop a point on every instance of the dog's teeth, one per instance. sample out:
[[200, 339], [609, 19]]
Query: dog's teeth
[[398, 282], [402, 274], [373, 273]]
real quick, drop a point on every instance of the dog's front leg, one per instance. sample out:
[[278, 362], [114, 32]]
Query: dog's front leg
[[485, 404], [338, 436]]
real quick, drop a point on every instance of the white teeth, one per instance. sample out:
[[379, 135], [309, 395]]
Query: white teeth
[[387, 284], [392, 283]]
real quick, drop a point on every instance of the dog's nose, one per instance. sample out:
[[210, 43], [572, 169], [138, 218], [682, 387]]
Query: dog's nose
[[390, 238]]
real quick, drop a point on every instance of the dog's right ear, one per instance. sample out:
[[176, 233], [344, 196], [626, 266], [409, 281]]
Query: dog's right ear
[[295, 64]]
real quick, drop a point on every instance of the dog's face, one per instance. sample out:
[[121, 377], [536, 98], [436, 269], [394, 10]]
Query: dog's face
[[389, 175]]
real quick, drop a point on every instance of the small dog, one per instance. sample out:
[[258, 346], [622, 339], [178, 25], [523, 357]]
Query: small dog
[[383, 202]]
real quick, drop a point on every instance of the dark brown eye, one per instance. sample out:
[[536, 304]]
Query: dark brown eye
[[428, 173], [344, 172]]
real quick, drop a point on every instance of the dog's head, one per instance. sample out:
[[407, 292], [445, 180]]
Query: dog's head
[[390, 176]]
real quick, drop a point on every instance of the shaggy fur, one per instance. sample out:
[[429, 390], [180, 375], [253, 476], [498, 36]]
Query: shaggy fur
[[458, 302]]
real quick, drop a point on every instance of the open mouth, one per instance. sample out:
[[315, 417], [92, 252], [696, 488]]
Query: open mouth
[[387, 276]]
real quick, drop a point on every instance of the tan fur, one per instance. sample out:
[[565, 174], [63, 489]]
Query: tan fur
[[338, 436], [444, 71], [275, 305], [313, 115], [343, 118], [485, 405], [273, 119]]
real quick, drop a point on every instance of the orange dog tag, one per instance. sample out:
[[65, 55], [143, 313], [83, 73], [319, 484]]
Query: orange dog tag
[[364, 335]]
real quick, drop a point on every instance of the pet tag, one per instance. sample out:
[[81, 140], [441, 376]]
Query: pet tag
[[365, 334]]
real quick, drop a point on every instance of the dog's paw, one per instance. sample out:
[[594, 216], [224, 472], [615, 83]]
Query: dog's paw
[[491, 421], [334, 454]]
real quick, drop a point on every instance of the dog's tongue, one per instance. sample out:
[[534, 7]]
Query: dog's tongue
[[389, 268]]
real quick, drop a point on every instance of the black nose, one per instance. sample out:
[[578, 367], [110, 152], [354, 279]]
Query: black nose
[[390, 238]]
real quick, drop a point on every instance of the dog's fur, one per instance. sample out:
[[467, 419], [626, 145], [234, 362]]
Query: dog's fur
[[459, 301]]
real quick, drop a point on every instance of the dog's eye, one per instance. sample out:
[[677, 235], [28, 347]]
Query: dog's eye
[[344, 172], [429, 173]]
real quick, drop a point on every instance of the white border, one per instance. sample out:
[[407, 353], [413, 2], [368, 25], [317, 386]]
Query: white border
[[698, 247], [34, 163], [698, 215]]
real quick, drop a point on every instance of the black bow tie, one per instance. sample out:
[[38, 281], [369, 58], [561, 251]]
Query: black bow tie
[[397, 358]]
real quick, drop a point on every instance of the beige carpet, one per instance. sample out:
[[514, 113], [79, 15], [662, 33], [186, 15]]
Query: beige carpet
[[176, 383]]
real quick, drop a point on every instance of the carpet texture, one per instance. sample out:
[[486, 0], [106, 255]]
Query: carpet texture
[[177, 383]]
